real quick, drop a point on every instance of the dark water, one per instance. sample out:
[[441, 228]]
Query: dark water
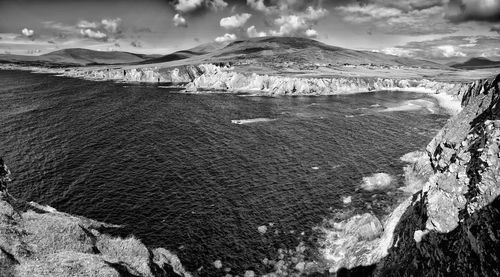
[[175, 170]]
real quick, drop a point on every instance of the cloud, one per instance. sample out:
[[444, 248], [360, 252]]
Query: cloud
[[27, 32], [89, 33], [187, 6], [111, 25], [179, 21], [450, 51], [257, 5], [368, 12], [396, 51], [253, 33], [226, 37], [297, 23], [84, 24], [396, 19], [216, 4], [235, 21], [473, 10], [449, 48], [311, 33]]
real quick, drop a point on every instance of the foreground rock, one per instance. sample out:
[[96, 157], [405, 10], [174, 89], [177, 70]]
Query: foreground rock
[[39, 241]]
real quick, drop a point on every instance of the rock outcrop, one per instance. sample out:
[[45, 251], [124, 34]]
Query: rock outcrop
[[451, 227], [40, 241], [225, 79]]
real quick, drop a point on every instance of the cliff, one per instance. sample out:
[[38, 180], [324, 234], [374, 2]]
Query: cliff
[[40, 241], [451, 227]]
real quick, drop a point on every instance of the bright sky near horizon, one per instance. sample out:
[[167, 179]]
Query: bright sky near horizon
[[441, 30]]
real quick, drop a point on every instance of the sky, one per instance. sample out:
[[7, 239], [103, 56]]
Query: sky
[[439, 30]]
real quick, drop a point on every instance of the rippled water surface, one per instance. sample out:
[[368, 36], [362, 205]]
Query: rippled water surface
[[192, 174]]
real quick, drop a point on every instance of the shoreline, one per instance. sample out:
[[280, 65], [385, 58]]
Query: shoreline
[[208, 78]]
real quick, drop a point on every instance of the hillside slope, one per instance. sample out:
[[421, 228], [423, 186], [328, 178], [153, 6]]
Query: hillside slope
[[477, 63], [76, 57]]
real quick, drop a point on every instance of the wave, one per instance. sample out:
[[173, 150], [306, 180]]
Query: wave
[[359, 240], [413, 105], [376, 181], [252, 120]]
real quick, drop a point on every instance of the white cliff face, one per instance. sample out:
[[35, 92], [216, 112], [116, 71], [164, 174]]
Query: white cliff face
[[217, 78], [209, 77], [133, 75]]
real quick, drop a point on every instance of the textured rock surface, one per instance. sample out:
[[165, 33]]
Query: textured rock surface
[[219, 78], [39, 241], [452, 226]]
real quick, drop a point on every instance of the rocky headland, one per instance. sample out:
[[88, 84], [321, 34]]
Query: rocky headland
[[449, 225], [37, 240]]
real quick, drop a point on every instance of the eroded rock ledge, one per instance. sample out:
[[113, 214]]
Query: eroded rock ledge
[[40, 241]]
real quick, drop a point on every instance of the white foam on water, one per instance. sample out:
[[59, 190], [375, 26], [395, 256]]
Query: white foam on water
[[376, 181], [251, 120], [412, 105], [451, 104], [342, 248], [412, 157]]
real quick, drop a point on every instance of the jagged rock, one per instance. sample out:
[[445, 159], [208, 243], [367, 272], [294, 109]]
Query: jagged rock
[[44, 242], [366, 226]]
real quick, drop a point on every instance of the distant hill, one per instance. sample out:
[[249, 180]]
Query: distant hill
[[303, 50], [267, 54], [477, 63], [77, 57]]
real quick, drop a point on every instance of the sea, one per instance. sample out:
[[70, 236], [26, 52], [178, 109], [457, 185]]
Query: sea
[[233, 178]]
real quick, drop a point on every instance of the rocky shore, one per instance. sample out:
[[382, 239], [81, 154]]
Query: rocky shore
[[450, 226], [40, 241], [210, 77]]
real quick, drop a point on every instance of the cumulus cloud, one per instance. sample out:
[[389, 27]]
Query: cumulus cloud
[[89, 33], [226, 37], [253, 33], [179, 21], [216, 4], [27, 32], [449, 51], [111, 24], [298, 23], [187, 6], [235, 21], [257, 5], [184, 7], [311, 33]]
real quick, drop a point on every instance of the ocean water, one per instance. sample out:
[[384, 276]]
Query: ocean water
[[198, 174]]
